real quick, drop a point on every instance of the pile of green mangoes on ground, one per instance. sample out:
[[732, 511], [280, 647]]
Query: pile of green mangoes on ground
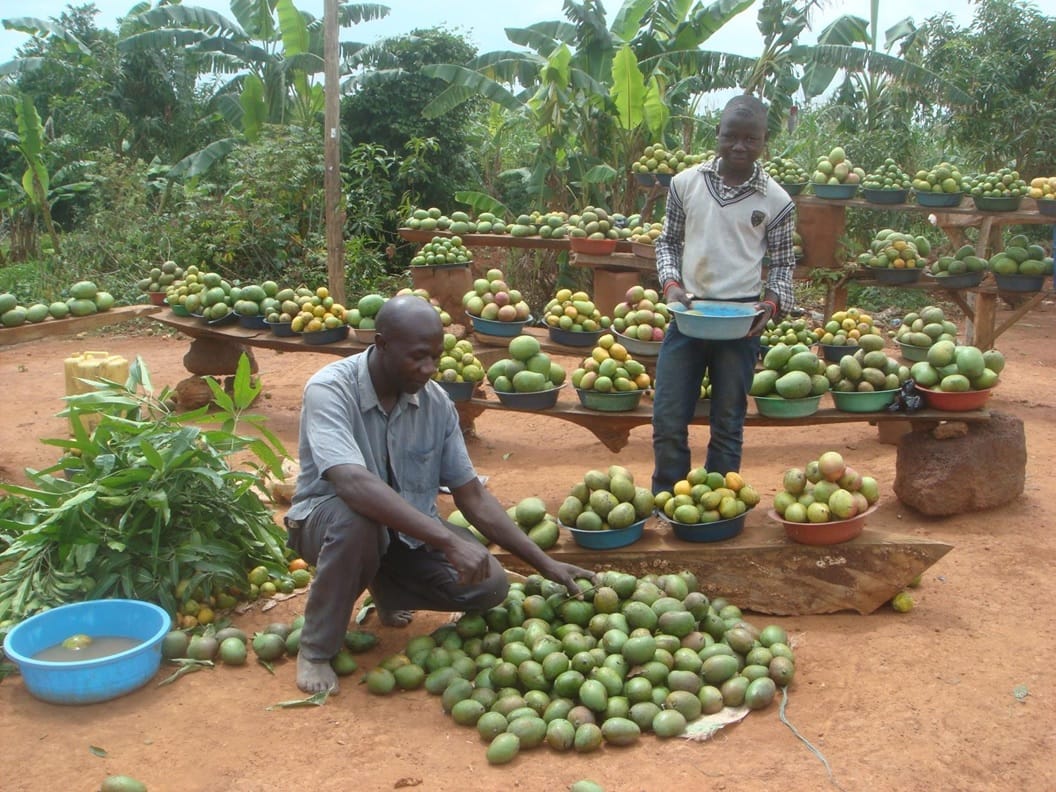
[[633, 655]]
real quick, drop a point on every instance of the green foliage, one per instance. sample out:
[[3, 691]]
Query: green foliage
[[1004, 61], [149, 498], [386, 111], [878, 298]]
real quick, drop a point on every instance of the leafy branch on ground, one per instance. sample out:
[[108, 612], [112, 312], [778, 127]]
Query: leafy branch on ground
[[147, 505]]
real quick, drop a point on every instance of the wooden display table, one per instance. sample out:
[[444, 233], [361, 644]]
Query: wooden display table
[[765, 572], [54, 328], [613, 429]]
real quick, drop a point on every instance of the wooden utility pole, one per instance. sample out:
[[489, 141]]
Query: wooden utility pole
[[335, 210]]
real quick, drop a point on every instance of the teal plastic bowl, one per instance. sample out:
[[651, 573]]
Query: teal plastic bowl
[[779, 407], [610, 538], [835, 191], [99, 679], [494, 327], [177, 308], [863, 401], [714, 320]]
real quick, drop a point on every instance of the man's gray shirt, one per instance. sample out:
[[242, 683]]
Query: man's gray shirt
[[415, 449]]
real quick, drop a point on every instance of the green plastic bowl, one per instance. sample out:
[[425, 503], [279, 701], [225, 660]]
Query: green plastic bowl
[[617, 401], [779, 407], [914, 353], [794, 188], [863, 401]]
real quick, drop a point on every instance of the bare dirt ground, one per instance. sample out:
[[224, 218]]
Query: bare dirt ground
[[923, 700]]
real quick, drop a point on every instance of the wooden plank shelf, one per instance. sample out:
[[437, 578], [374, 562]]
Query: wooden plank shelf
[[765, 572], [613, 429], [71, 325]]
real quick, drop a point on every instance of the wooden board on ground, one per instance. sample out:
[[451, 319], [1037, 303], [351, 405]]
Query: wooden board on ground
[[71, 325], [764, 572]]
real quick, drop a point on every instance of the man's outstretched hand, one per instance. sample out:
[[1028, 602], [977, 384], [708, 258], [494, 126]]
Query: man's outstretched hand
[[566, 574]]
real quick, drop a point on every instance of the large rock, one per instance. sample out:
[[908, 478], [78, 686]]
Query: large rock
[[216, 356], [980, 469]]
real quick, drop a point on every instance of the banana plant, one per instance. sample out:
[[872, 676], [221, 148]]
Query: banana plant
[[592, 93], [272, 51], [31, 196]]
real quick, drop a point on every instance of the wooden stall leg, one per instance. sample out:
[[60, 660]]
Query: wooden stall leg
[[216, 356], [981, 331], [610, 287], [446, 285]]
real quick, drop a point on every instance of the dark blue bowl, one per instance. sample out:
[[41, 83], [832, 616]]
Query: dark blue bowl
[[715, 531]]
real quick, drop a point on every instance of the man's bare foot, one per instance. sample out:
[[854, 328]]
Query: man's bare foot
[[315, 677], [395, 618]]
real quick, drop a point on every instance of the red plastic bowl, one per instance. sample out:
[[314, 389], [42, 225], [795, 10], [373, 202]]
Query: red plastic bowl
[[825, 533], [955, 401]]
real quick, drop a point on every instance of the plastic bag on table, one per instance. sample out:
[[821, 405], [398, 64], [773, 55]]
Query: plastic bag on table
[[908, 398]]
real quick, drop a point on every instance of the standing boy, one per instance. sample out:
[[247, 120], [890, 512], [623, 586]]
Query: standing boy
[[722, 219]]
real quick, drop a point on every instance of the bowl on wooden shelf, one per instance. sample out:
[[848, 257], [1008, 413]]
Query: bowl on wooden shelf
[[824, 533], [896, 276], [592, 247], [835, 192], [938, 200], [607, 538], [884, 197]]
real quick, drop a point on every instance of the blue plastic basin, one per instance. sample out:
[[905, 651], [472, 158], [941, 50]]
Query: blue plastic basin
[[714, 320], [100, 679]]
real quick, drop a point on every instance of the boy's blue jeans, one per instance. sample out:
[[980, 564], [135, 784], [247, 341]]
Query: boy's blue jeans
[[679, 370]]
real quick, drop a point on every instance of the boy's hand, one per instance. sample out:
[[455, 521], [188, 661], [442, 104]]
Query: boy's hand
[[676, 294], [765, 314]]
